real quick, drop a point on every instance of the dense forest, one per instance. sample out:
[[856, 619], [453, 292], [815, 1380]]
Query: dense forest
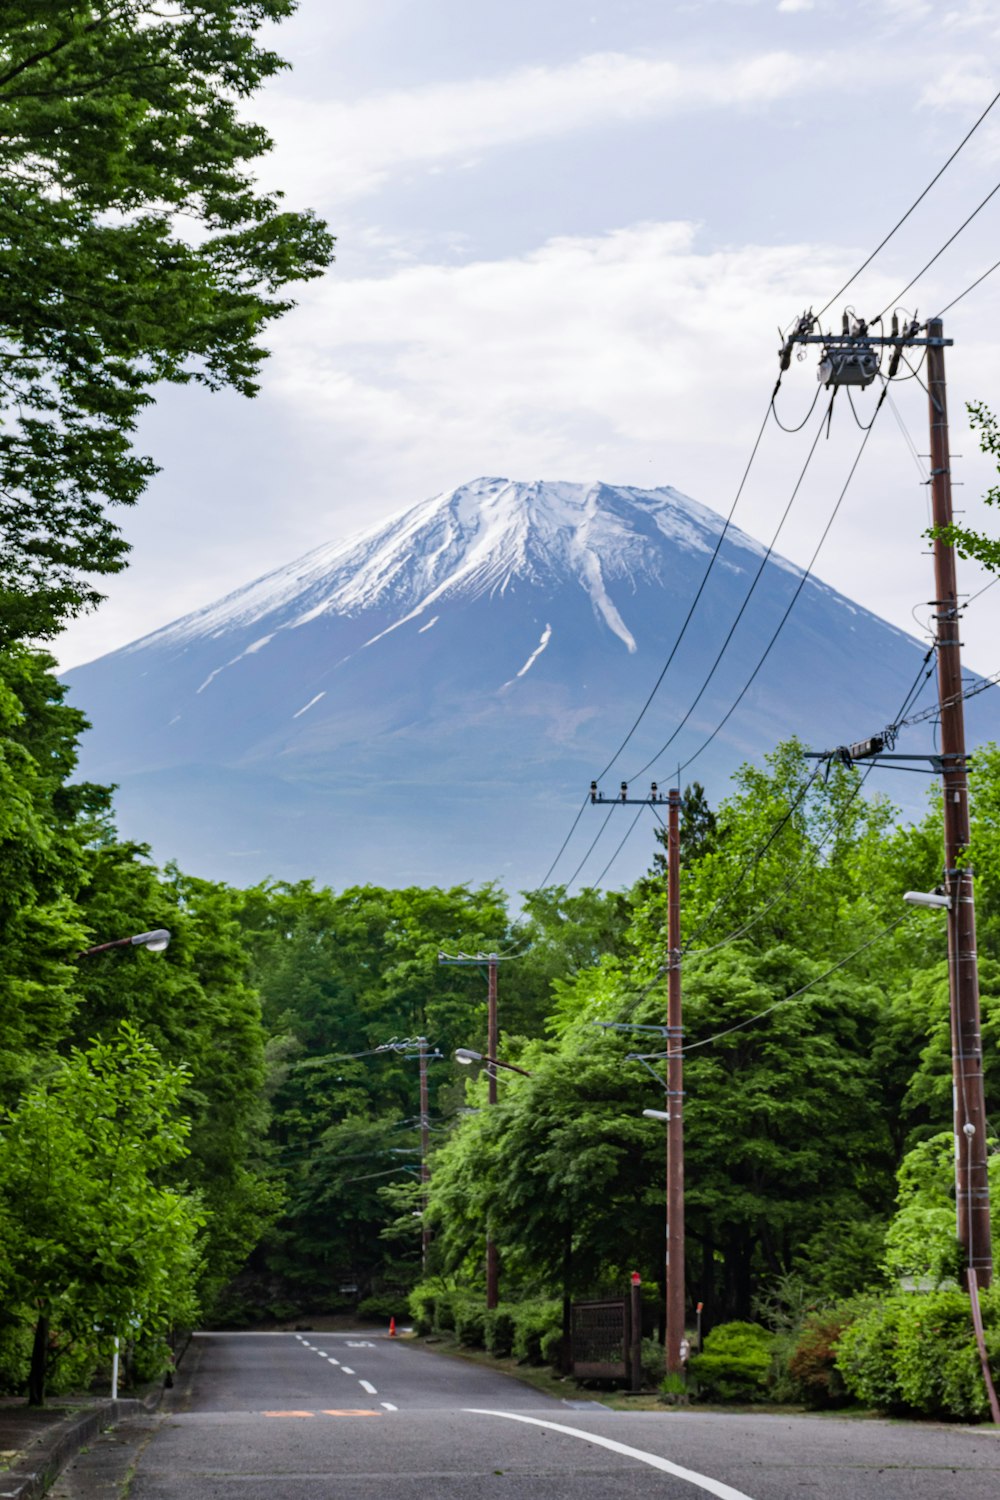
[[229, 1130], [259, 1074]]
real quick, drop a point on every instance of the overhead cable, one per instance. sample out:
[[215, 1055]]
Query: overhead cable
[[796, 994], [748, 596], [593, 846], [938, 253], [624, 840], [923, 673], [700, 590], [915, 204], [970, 288], [790, 606]]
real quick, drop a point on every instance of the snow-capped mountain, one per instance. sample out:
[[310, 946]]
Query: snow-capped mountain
[[427, 701]]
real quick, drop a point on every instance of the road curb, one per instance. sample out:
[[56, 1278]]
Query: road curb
[[51, 1453]]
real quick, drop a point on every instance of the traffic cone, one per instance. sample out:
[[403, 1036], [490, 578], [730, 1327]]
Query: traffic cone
[[392, 1328]]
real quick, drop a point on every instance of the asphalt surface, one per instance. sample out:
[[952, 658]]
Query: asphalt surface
[[361, 1417]]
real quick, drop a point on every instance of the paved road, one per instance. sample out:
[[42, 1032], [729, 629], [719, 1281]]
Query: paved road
[[357, 1417]]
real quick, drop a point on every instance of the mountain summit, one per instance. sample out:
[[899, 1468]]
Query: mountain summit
[[428, 700], [480, 539]]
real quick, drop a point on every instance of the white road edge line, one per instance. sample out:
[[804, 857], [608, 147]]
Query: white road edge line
[[388, 1406], [712, 1486], [367, 1385], [347, 1370]]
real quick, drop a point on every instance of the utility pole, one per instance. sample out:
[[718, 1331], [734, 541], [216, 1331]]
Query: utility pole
[[674, 1253], [850, 359], [425, 1146], [416, 1046], [675, 1258], [491, 961], [971, 1180], [492, 1046]]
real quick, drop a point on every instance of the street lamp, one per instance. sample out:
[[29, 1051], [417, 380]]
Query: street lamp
[[655, 1114], [465, 1055], [154, 942], [928, 898]]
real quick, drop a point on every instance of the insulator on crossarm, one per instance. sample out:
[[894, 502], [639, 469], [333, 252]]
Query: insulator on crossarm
[[624, 790], [653, 791], [593, 791]]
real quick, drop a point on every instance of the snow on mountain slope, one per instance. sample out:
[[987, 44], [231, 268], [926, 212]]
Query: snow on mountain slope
[[470, 664], [481, 538]]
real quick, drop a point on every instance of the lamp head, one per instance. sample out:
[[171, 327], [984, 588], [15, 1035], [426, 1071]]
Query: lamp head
[[155, 942], [466, 1055], [927, 898]]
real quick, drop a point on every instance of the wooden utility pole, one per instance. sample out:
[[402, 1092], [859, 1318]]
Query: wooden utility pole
[[492, 962], [675, 1094], [425, 1146], [493, 1043], [971, 1180]]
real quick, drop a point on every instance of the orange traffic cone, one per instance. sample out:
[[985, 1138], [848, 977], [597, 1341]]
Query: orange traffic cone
[[392, 1328]]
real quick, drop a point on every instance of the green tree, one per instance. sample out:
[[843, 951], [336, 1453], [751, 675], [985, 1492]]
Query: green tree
[[92, 1234], [135, 248], [194, 1003], [968, 542], [42, 864]]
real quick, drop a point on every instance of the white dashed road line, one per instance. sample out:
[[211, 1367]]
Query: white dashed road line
[[711, 1486], [367, 1385], [332, 1360], [388, 1406], [346, 1370]]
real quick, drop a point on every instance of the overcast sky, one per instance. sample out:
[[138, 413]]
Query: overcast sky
[[568, 232]]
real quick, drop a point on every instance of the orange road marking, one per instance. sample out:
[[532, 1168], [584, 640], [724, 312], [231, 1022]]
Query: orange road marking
[[289, 1414]]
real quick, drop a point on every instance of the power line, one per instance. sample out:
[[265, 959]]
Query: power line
[[915, 204], [970, 692], [748, 596], [969, 289], [597, 835], [758, 854], [791, 603], [674, 648], [624, 840], [700, 590], [786, 999], [923, 673], [937, 255]]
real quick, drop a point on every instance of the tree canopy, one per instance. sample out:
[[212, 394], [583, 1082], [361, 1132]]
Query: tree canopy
[[135, 248]]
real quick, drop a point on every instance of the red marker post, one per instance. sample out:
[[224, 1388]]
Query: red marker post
[[635, 1333]]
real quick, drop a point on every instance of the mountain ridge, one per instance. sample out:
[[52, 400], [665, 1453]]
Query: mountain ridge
[[466, 664]]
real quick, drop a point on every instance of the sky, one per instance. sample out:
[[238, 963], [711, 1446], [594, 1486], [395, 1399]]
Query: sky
[[568, 234]]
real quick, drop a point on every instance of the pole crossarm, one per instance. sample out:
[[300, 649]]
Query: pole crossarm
[[655, 798]]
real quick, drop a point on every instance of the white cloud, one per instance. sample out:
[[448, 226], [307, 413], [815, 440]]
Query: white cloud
[[631, 356], [795, 5], [352, 148]]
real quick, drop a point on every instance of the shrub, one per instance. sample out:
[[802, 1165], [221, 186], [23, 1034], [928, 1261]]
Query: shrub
[[552, 1346], [444, 1312], [735, 1363], [423, 1302], [532, 1321], [915, 1352], [812, 1360], [866, 1356], [654, 1360], [470, 1324], [383, 1306], [499, 1331]]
